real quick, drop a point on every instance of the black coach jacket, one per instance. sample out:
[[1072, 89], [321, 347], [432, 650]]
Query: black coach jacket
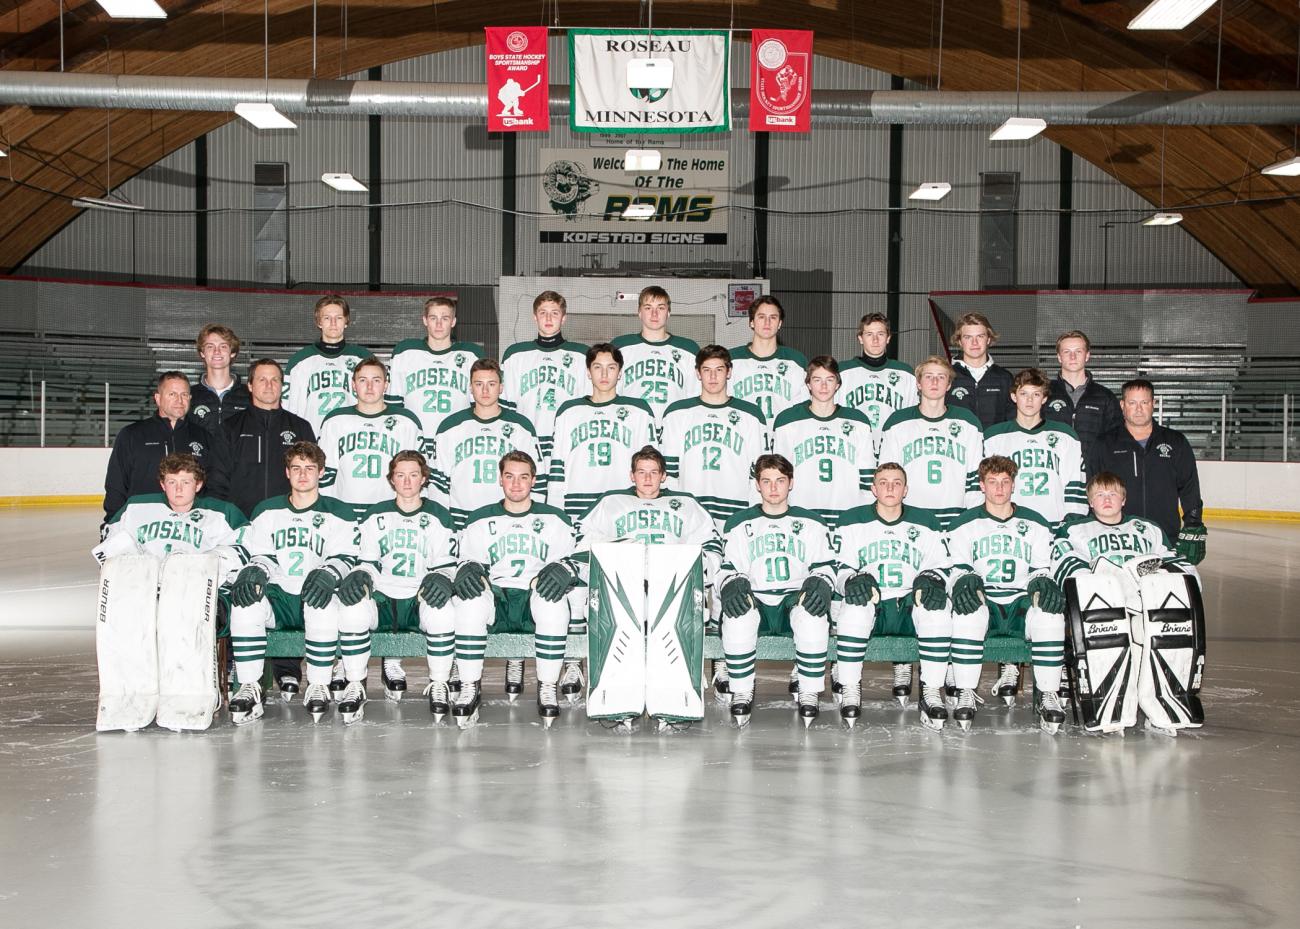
[[140, 446], [989, 400], [1096, 413], [257, 440], [1158, 479], [209, 410]]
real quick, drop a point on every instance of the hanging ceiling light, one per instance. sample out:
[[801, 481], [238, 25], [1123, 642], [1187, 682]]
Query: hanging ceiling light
[[1164, 219], [1018, 127], [264, 116], [104, 203], [1169, 14], [931, 190], [1288, 168], [344, 182], [133, 9]]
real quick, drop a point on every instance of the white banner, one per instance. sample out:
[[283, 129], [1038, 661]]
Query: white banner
[[582, 193], [698, 101]]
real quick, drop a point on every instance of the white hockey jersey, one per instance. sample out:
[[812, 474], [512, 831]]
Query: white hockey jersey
[[398, 548], [1082, 540], [773, 383], [877, 392], [316, 384], [148, 525], [894, 552], [289, 543], [834, 459], [538, 380], [1006, 553], [660, 373], [1051, 479], [710, 452], [430, 384], [358, 448], [670, 518], [516, 546], [776, 553], [467, 460], [941, 457], [593, 448]]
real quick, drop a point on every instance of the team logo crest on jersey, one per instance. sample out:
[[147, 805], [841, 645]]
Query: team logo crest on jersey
[[538, 526], [1022, 527], [797, 526], [677, 357], [781, 368], [954, 429], [733, 417], [318, 520], [1165, 449], [201, 411], [390, 422], [196, 516], [197, 448], [847, 428], [459, 360], [960, 393], [674, 504], [913, 533], [568, 360], [893, 378], [622, 413], [350, 363], [1052, 439], [424, 520], [507, 429], [288, 438]]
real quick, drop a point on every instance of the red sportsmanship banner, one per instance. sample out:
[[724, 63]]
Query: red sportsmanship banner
[[780, 80], [517, 81]]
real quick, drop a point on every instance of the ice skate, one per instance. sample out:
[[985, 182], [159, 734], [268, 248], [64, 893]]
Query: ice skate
[[514, 679], [964, 713], [626, 724], [808, 708], [742, 707], [793, 686], [548, 704], [949, 686], [1050, 714], [850, 703], [902, 683], [465, 709], [721, 681], [352, 703], [439, 702], [933, 712], [453, 679], [571, 682], [289, 686], [1008, 683], [836, 687], [338, 681], [246, 704], [394, 677], [316, 698], [663, 726]]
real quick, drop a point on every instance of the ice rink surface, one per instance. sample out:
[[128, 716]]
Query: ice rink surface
[[396, 822]]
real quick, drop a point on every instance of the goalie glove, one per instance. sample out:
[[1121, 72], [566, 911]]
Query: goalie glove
[[435, 589], [249, 586], [471, 580], [554, 581], [1047, 595], [355, 587], [967, 594], [318, 587], [930, 591], [861, 589], [815, 595], [737, 597], [1191, 544]]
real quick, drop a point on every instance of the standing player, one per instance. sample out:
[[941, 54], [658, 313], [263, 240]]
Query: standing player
[[777, 578], [469, 446], [540, 376], [1087, 407], [408, 561], [764, 372], [893, 559], [710, 441], [220, 393], [301, 545], [431, 375], [979, 384], [657, 364], [832, 447], [873, 383], [318, 378], [513, 576], [939, 446], [1001, 559]]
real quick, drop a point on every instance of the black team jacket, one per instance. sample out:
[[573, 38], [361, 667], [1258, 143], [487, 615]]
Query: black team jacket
[[256, 441], [1158, 479], [133, 465]]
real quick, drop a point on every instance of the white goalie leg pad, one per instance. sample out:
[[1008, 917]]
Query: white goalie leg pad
[[188, 689], [126, 646], [812, 636], [616, 649], [1103, 663], [439, 628], [1171, 633], [853, 631], [675, 615], [355, 623], [551, 621], [472, 620]]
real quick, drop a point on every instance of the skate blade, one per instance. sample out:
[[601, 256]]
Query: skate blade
[[287, 697], [965, 724], [808, 721], [902, 701], [1009, 699], [438, 717], [548, 721], [849, 721], [512, 698], [1050, 728], [393, 696], [316, 715], [350, 718], [934, 725], [741, 722], [464, 722], [243, 719], [1160, 730]]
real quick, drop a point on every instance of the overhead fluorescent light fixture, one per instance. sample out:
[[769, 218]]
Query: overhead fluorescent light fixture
[[264, 116], [1288, 168], [1018, 128], [1164, 219], [642, 159], [3, 153], [344, 182], [103, 203], [931, 190], [650, 74], [639, 211], [1169, 14], [133, 9]]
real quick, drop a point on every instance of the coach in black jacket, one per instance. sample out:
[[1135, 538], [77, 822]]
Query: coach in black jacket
[[258, 437], [140, 446], [1077, 400], [1158, 468], [980, 385]]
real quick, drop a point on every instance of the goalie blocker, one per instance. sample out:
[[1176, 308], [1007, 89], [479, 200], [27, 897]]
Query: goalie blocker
[[1137, 642]]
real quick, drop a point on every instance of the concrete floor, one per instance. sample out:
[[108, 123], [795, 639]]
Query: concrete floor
[[397, 822]]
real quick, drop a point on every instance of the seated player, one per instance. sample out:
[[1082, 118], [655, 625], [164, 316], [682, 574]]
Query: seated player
[[174, 521], [300, 546], [777, 578], [1001, 562], [513, 576], [892, 578], [404, 579], [1126, 562]]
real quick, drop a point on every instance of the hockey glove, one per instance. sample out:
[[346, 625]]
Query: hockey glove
[[967, 594], [318, 587], [355, 587], [470, 578], [861, 589], [554, 581], [249, 586], [1051, 599], [737, 597], [930, 590], [435, 589], [816, 595], [1191, 544]]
